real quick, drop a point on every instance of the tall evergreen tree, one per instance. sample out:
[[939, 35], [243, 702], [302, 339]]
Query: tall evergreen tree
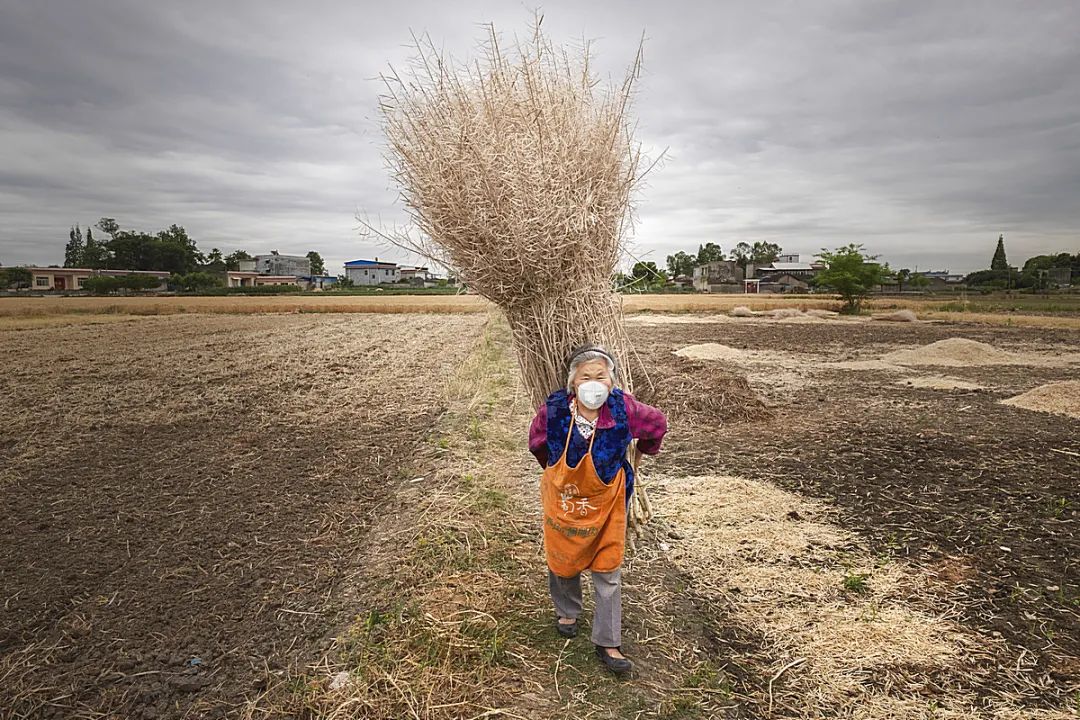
[[317, 265], [75, 249], [95, 254], [999, 262]]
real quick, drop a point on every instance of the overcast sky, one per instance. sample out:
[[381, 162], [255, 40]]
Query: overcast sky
[[921, 129]]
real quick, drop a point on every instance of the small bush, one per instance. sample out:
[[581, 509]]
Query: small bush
[[109, 284], [856, 583]]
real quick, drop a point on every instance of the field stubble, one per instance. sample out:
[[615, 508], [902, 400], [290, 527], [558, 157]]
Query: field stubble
[[185, 497]]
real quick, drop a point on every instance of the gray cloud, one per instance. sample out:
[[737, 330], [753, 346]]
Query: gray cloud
[[920, 129]]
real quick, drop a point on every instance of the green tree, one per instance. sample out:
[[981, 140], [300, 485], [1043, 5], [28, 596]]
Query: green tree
[[919, 281], [988, 279], [999, 262], [681, 264], [647, 275], [709, 252], [108, 226], [196, 281], [95, 254], [215, 262], [132, 250], [232, 260], [743, 254], [15, 277], [344, 281], [101, 284], [902, 276], [108, 284], [317, 267], [851, 273], [73, 252], [764, 253]]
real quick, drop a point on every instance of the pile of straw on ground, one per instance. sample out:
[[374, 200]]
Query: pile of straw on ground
[[517, 170]]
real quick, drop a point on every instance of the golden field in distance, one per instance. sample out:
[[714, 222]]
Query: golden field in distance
[[1060, 311]]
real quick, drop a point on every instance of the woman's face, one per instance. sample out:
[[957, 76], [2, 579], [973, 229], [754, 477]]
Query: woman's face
[[593, 370]]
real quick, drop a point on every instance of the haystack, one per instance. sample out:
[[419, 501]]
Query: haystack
[[517, 170], [695, 392], [954, 352], [1060, 398], [742, 311]]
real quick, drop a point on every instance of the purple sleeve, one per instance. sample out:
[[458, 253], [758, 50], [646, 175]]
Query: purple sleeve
[[538, 436], [647, 425]]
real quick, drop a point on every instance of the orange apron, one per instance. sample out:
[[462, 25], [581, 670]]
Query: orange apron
[[584, 519]]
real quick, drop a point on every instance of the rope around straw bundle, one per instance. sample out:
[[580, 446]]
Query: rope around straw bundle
[[517, 170]]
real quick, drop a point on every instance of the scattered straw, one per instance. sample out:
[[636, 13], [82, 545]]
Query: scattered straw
[[939, 382], [824, 314], [862, 365], [846, 639], [650, 320], [898, 316], [1059, 398]]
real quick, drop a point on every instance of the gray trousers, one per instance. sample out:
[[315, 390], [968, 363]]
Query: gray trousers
[[607, 615]]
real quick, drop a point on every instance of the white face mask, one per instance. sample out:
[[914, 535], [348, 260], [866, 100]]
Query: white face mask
[[592, 394]]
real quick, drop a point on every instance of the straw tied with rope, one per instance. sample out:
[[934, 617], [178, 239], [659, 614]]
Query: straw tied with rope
[[589, 437]]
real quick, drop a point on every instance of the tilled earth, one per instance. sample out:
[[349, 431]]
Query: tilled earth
[[984, 495], [183, 498]]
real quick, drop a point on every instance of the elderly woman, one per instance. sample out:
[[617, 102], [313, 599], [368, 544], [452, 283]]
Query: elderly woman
[[580, 436]]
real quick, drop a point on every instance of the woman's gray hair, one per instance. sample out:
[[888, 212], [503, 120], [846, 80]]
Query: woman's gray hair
[[587, 354]]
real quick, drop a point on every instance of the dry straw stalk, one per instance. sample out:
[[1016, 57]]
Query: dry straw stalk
[[517, 171]]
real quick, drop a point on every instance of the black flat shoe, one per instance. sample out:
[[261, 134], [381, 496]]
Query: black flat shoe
[[567, 630], [619, 666]]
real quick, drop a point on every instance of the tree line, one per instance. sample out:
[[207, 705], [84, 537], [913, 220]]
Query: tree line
[[647, 276], [171, 250], [1034, 274]]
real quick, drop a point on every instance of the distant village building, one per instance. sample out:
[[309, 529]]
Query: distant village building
[[73, 278], [942, 279], [415, 275], [719, 276], [245, 265], [783, 282], [239, 278], [1059, 277], [936, 281], [317, 282], [372, 272], [683, 281], [794, 268], [272, 264]]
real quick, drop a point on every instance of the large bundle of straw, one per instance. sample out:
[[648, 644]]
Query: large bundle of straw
[[518, 172]]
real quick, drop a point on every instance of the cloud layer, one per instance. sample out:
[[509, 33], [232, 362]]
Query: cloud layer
[[919, 129]]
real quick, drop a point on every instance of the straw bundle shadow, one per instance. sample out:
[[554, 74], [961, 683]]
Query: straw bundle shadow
[[517, 171]]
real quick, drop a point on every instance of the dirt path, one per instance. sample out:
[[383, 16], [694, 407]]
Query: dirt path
[[184, 499]]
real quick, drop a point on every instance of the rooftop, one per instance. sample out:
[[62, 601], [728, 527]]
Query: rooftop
[[787, 266], [370, 263], [155, 273]]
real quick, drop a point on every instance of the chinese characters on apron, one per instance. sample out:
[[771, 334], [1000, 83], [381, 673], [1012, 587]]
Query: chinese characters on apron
[[584, 518]]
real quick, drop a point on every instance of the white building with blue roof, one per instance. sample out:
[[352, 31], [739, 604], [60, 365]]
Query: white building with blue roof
[[372, 272]]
